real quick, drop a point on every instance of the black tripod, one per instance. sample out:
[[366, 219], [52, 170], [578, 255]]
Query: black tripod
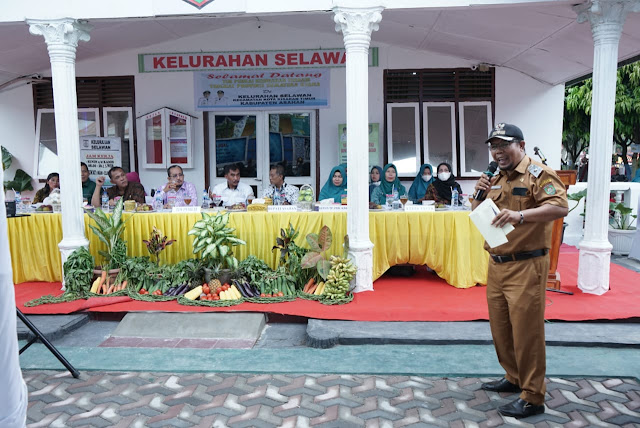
[[45, 341]]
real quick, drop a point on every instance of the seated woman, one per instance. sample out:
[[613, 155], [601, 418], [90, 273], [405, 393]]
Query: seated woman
[[53, 182], [374, 179], [440, 189], [421, 183], [335, 186], [390, 183]]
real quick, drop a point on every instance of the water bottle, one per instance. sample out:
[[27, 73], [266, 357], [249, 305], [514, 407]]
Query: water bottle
[[105, 201], [157, 205], [276, 198], [205, 199], [454, 198], [18, 200], [171, 198]]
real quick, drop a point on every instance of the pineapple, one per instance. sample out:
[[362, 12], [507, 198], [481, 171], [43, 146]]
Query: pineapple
[[214, 283]]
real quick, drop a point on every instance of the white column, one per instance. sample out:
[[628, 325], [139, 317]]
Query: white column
[[356, 25], [607, 19], [62, 36]]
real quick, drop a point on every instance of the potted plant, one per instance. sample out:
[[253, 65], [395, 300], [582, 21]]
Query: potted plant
[[621, 229], [157, 243], [21, 181], [214, 242], [109, 230]]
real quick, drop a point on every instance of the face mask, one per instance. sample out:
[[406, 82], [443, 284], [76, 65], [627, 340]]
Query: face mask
[[444, 176], [426, 177], [376, 183]]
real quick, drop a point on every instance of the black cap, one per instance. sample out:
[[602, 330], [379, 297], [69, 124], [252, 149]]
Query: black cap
[[506, 131]]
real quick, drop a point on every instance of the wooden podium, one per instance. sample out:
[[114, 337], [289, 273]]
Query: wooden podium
[[553, 279]]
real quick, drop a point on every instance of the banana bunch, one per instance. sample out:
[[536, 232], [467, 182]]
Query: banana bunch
[[214, 239], [341, 273]]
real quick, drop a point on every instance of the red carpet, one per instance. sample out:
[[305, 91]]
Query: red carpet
[[423, 297]]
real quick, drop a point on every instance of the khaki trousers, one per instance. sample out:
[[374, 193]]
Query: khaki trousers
[[516, 300]]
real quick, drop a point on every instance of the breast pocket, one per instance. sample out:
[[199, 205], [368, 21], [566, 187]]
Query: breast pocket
[[495, 195], [522, 198]]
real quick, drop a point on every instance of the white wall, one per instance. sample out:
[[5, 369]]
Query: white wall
[[18, 135], [535, 107]]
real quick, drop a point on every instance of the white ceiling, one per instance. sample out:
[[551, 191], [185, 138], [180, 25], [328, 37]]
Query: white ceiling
[[543, 41]]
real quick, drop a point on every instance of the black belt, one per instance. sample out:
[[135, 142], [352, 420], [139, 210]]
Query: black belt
[[519, 256]]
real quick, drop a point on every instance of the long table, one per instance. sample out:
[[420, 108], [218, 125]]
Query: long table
[[445, 241]]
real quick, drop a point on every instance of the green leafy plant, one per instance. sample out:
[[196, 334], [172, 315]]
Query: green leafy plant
[[214, 240], [109, 230], [621, 216], [157, 243], [7, 158], [318, 257], [21, 182], [577, 197], [253, 268], [285, 243]]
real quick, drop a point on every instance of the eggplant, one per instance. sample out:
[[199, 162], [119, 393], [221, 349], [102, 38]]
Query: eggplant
[[181, 289], [170, 291], [240, 288]]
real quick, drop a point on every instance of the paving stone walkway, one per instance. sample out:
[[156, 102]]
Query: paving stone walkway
[[145, 399]]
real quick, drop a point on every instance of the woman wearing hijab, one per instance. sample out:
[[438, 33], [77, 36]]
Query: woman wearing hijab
[[335, 186], [390, 183], [374, 178], [440, 189], [420, 184], [53, 182]]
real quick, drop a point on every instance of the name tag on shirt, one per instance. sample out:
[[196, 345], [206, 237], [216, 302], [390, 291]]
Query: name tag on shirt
[[519, 191], [498, 187]]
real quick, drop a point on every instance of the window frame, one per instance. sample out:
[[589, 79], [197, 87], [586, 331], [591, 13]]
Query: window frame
[[416, 107], [132, 151], [39, 113], [425, 121], [461, 106]]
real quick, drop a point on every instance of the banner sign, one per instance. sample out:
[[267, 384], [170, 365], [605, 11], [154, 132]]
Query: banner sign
[[228, 90], [247, 60], [374, 145], [100, 154]]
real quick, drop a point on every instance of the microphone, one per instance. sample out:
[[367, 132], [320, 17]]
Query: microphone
[[491, 169], [538, 153]]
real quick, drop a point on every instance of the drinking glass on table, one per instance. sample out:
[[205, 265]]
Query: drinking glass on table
[[187, 200], [26, 201], [216, 199], [403, 200]]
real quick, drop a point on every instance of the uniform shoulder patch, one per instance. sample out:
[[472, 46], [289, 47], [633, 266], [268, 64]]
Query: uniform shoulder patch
[[534, 170], [549, 189]]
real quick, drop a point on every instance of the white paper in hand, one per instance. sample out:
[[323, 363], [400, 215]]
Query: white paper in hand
[[482, 217]]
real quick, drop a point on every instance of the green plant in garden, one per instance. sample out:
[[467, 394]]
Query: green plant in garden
[[577, 197], [621, 216], [214, 240], [157, 243], [109, 230], [7, 158]]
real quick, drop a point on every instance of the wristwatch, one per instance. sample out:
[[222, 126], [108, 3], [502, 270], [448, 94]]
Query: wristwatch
[[521, 217]]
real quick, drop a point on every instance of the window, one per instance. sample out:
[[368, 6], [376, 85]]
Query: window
[[108, 98], [47, 148], [438, 115]]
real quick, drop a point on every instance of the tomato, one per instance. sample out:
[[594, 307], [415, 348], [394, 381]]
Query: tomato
[[205, 289], [225, 287], [280, 294], [263, 295], [215, 298], [269, 295], [142, 291]]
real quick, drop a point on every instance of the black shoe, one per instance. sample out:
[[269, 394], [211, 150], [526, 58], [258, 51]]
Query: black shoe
[[502, 385], [520, 409]]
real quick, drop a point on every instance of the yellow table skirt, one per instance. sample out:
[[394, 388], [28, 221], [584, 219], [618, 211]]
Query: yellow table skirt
[[445, 241]]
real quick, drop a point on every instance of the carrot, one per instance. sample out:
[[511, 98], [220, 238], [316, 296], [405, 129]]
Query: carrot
[[103, 278], [312, 288], [308, 285], [124, 285], [105, 286], [110, 290]]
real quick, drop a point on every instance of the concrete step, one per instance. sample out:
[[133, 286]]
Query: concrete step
[[51, 326], [198, 325], [328, 333]]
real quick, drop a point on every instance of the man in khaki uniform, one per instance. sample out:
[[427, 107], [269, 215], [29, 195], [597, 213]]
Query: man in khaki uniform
[[530, 196]]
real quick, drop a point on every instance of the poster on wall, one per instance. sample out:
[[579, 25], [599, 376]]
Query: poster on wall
[[374, 145], [100, 154], [230, 90]]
